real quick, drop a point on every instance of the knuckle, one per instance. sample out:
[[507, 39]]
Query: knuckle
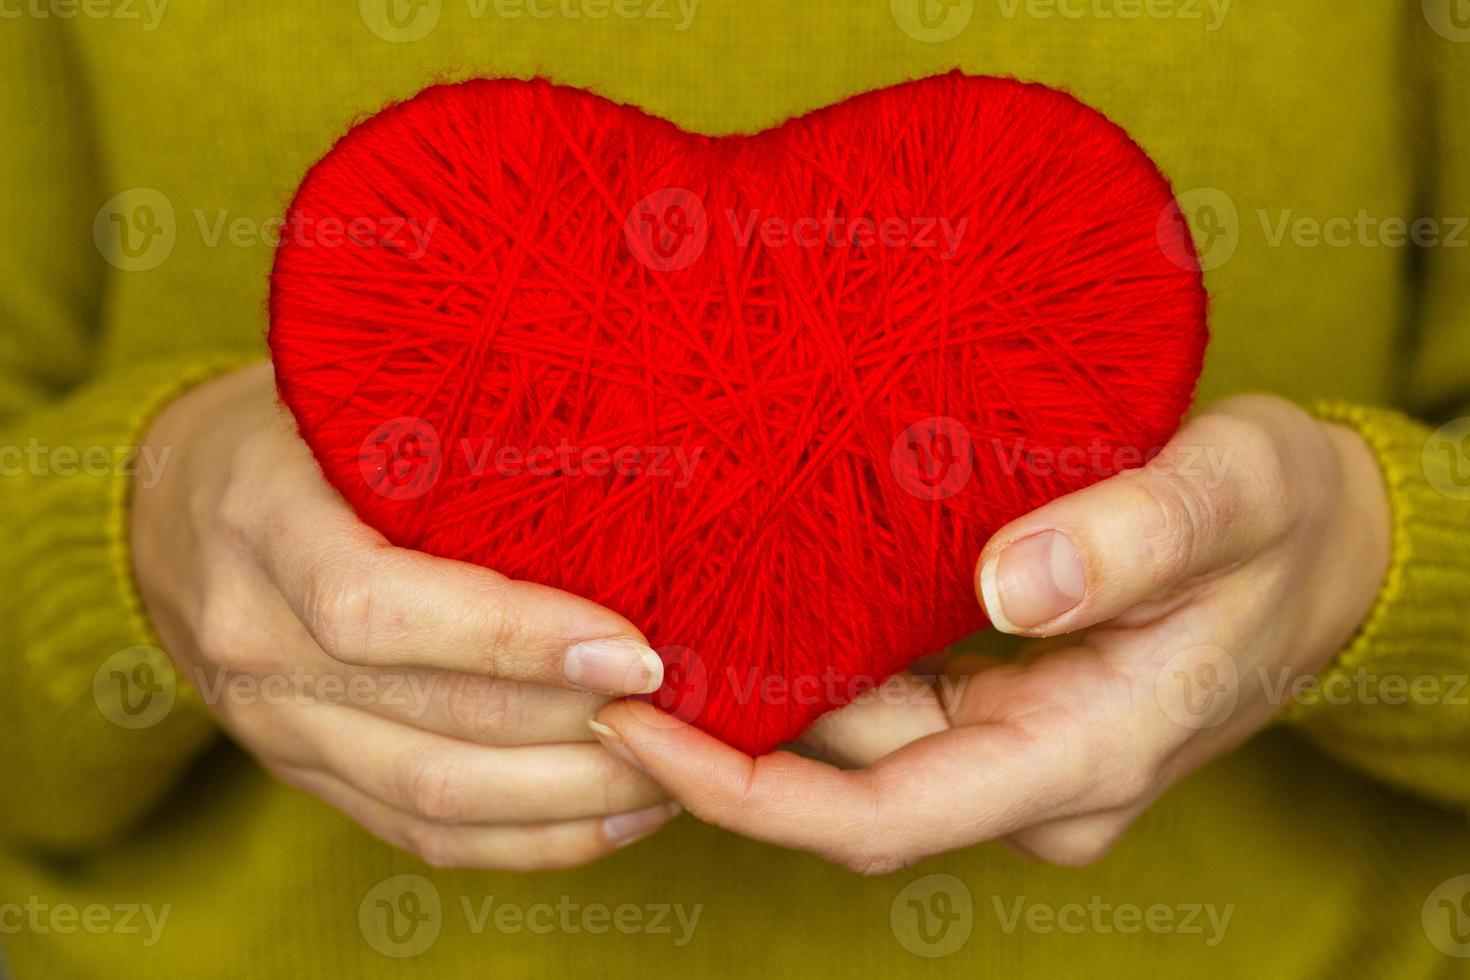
[[338, 608], [871, 863], [432, 789], [483, 705], [235, 510], [1128, 782], [1176, 521], [1254, 455], [500, 624], [871, 850], [238, 507], [432, 846], [549, 849], [609, 784], [1111, 770]]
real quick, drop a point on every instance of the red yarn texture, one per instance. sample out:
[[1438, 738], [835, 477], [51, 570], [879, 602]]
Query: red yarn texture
[[524, 326]]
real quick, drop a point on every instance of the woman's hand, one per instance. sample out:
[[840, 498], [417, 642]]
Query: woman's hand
[[1238, 561], [439, 704]]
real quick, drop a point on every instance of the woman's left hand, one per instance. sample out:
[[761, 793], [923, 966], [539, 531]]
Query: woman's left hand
[[1208, 582]]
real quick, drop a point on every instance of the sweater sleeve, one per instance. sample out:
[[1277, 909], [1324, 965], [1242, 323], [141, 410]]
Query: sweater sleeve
[[96, 729], [1396, 702]]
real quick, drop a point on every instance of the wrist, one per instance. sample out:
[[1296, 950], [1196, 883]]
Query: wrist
[[1359, 544], [196, 431]]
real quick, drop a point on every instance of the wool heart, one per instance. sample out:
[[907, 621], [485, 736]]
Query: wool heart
[[765, 395]]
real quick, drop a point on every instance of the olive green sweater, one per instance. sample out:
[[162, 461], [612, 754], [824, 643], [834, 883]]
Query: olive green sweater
[[1304, 137]]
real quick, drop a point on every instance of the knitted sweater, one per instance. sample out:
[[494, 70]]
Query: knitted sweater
[[148, 147]]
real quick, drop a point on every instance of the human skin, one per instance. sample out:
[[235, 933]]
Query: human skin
[[1255, 569], [465, 737], [1170, 607]]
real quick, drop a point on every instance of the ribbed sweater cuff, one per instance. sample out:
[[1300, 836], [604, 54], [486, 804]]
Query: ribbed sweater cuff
[[1420, 618], [75, 618], [1396, 701]]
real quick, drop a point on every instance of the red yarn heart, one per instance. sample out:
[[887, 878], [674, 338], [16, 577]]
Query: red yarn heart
[[766, 395]]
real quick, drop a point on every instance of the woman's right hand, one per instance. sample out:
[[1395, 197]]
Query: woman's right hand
[[439, 704]]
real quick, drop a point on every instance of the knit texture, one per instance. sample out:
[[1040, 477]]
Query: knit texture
[[1325, 838], [796, 545], [1396, 702]]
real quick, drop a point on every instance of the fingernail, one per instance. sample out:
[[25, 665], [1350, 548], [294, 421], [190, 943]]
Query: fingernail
[[614, 743], [615, 666], [1032, 581], [624, 828]]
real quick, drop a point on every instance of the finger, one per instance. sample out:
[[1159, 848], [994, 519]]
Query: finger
[[939, 793], [530, 847], [446, 781], [370, 604], [1074, 842], [249, 630], [477, 708], [901, 710], [1213, 497]]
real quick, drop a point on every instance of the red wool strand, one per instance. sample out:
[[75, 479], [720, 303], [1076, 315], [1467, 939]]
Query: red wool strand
[[765, 395]]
